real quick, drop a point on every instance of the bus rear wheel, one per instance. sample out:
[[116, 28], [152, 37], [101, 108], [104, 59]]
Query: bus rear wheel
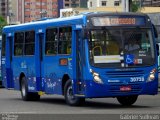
[[69, 96], [27, 96], [127, 100]]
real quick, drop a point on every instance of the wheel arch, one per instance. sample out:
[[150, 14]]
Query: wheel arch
[[65, 78], [20, 78]]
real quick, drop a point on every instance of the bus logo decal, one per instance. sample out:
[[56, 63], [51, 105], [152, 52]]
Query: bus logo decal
[[23, 65]]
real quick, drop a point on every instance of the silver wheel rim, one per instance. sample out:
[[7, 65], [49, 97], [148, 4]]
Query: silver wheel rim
[[70, 95], [23, 90]]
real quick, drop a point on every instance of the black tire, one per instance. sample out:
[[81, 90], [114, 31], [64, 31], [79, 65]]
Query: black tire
[[27, 96], [69, 97], [127, 100]]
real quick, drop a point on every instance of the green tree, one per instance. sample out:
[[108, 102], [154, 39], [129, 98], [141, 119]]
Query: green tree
[[135, 6], [2, 23]]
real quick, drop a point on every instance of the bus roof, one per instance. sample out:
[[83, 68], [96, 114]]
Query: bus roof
[[78, 18], [47, 21], [115, 13]]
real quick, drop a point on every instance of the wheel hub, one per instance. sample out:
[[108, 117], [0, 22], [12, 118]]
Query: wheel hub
[[23, 90], [70, 93]]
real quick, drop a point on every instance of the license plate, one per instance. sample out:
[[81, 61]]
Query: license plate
[[125, 88]]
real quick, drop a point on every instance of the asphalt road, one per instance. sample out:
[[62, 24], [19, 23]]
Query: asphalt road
[[11, 102]]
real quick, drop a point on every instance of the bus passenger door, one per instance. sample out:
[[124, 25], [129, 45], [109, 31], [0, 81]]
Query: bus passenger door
[[39, 62], [79, 63], [9, 71], [3, 61]]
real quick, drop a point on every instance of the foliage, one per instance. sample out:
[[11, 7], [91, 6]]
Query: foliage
[[2, 23], [135, 6]]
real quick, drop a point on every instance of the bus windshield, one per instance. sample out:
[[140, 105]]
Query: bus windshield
[[121, 47]]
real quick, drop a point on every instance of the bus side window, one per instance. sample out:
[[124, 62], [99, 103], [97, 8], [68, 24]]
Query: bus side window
[[29, 42], [18, 50], [65, 36], [51, 41], [18, 43]]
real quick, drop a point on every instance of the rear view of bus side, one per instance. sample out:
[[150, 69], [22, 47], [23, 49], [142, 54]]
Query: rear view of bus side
[[92, 55]]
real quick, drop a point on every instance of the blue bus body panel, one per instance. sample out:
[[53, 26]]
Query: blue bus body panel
[[3, 71], [24, 65], [8, 66], [53, 73]]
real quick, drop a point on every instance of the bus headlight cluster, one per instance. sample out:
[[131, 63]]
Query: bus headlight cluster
[[96, 77], [152, 75]]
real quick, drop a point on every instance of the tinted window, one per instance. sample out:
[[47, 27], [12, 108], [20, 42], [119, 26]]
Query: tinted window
[[18, 43], [65, 36], [29, 43], [51, 41]]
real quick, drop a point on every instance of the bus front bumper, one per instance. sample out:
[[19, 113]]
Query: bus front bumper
[[95, 90]]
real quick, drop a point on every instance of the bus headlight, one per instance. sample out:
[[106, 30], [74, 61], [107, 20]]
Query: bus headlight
[[96, 77], [152, 75]]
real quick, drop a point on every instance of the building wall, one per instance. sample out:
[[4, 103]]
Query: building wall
[[92, 4], [71, 3], [110, 6], [24, 12], [31, 10], [9, 11], [150, 3], [150, 9], [83, 3], [120, 9], [5, 8], [109, 3], [13, 12], [20, 11]]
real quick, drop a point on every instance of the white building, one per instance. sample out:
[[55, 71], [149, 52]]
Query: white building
[[103, 3]]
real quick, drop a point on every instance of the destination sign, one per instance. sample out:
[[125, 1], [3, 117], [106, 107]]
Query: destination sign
[[118, 21]]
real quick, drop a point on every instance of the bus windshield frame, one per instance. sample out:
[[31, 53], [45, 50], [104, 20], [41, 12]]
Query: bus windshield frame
[[144, 56]]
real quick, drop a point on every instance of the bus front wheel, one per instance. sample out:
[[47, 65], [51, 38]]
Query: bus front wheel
[[127, 100], [26, 96], [69, 96]]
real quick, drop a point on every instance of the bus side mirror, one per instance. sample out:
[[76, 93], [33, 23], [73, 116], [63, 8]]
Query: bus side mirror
[[85, 34], [157, 49]]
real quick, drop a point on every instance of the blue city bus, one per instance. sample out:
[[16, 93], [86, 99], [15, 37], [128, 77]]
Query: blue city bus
[[90, 55]]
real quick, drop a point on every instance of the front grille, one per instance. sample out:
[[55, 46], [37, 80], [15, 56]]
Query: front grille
[[126, 74], [115, 89]]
